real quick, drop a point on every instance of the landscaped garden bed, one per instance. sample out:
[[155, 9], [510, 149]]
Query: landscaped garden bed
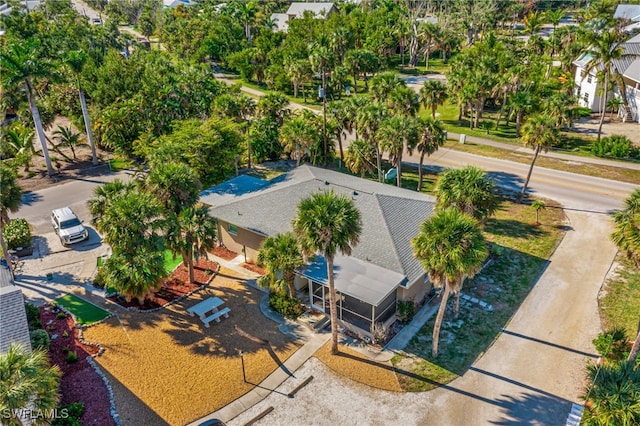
[[80, 382], [224, 253], [174, 287]]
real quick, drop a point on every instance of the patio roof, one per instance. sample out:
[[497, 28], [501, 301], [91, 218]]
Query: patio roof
[[363, 280]]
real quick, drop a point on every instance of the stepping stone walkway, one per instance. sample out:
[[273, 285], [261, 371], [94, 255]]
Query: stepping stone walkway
[[483, 305]]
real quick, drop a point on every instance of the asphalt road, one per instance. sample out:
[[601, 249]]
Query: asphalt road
[[37, 206]]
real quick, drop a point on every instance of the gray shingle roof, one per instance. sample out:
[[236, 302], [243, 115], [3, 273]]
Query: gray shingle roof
[[628, 11], [391, 216], [630, 55], [13, 318], [319, 9]]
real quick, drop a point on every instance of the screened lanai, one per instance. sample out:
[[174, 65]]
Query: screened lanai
[[366, 293]]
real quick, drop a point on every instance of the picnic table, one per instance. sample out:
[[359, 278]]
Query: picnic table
[[209, 305]]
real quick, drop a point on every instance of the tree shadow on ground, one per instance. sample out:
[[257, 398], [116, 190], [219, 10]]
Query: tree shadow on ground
[[513, 227], [532, 409]]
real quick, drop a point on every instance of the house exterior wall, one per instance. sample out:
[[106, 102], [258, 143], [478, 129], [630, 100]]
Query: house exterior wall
[[416, 291], [243, 240], [587, 89], [633, 97]]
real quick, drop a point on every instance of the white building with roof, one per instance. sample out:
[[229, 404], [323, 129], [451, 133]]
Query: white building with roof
[[381, 268], [589, 89], [297, 10]]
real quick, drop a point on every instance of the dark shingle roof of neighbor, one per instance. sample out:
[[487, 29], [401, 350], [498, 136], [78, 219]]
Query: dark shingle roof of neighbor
[[13, 318], [391, 216]]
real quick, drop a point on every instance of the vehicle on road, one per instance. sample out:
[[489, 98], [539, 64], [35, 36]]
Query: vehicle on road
[[68, 227], [95, 21]]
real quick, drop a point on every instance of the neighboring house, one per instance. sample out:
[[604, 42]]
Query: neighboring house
[[589, 89], [630, 12], [297, 10], [381, 269], [13, 317], [30, 5], [175, 3]]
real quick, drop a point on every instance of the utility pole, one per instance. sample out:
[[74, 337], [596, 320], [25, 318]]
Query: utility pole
[[324, 117]]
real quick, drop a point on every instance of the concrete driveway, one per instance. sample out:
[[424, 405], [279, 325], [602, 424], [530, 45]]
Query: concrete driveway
[[531, 375]]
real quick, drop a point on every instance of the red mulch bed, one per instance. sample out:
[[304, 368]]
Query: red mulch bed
[[254, 268], [177, 285], [224, 253], [80, 382]]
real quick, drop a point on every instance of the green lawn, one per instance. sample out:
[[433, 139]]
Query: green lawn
[[620, 304], [119, 164], [521, 251], [169, 262], [86, 313]]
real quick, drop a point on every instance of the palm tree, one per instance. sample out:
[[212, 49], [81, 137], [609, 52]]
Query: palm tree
[[20, 139], [193, 234], [538, 205], [176, 185], [626, 234], [612, 394], [383, 84], [326, 223], [533, 22], [368, 120], [103, 196], [606, 47], [246, 13], [10, 200], [27, 381], [20, 63], [297, 135], [403, 100], [75, 60], [396, 133], [469, 190], [540, 133], [431, 136], [433, 94], [360, 157], [135, 274], [281, 255], [450, 245], [520, 103], [67, 137]]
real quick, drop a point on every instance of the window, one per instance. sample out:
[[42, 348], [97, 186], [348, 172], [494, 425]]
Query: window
[[589, 79], [586, 98], [233, 230], [581, 73]]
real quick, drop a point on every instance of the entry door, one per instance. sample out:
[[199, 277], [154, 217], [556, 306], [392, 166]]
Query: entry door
[[318, 300]]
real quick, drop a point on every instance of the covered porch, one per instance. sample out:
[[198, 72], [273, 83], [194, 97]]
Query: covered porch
[[366, 293]]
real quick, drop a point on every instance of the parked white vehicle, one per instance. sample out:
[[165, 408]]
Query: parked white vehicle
[[68, 227]]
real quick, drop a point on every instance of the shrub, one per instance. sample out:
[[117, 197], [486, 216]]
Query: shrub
[[17, 234], [39, 339], [61, 315], [379, 333], [65, 350], [612, 344], [98, 280], [74, 412], [616, 146], [289, 307], [33, 316], [72, 357], [406, 310]]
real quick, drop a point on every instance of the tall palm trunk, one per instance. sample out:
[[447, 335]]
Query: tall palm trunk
[[604, 109], [38, 124], [439, 317], [420, 171], [504, 102], [87, 125], [379, 161], [635, 349], [333, 307], [399, 168], [518, 122], [526, 182], [623, 94], [339, 134], [289, 277]]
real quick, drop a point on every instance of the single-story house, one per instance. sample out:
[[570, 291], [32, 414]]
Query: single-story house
[[29, 5], [589, 89], [13, 317], [297, 10], [381, 269]]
